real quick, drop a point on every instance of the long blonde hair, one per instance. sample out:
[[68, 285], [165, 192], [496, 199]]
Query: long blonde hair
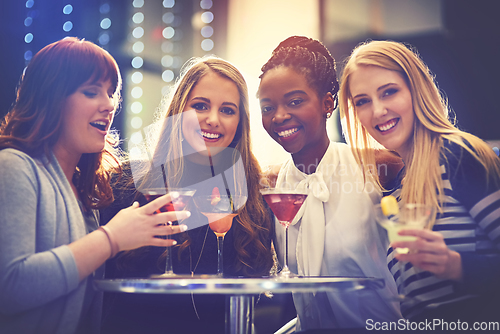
[[432, 124], [254, 221]]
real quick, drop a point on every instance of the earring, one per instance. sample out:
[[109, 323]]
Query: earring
[[329, 114]]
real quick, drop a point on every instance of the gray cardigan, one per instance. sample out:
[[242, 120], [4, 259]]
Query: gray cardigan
[[40, 290]]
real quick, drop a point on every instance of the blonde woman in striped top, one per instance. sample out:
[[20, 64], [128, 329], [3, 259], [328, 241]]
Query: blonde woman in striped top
[[388, 98]]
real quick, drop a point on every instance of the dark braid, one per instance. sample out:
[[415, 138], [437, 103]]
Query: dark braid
[[310, 58]]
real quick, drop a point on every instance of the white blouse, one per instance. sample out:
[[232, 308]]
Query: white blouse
[[334, 234]]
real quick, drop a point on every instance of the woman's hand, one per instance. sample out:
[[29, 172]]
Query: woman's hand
[[430, 253], [136, 226]]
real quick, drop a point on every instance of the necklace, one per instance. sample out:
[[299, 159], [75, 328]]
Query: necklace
[[194, 269], [199, 257]]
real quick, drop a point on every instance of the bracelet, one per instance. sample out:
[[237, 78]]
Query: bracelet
[[114, 246]]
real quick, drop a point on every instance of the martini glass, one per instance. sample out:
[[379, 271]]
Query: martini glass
[[176, 204], [285, 204], [220, 211], [410, 216]]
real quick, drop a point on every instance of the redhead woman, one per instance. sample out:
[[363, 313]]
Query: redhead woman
[[55, 160]]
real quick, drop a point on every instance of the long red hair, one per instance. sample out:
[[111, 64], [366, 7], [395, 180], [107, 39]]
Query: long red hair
[[33, 125]]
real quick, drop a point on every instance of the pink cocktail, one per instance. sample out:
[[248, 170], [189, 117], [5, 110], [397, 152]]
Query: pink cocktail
[[285, 204], [220, 223], [220, 211]]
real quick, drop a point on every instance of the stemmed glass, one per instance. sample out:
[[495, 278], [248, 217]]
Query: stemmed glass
[[409, 216], [394, 219], [220, 211], [285, 204], [176, 204]]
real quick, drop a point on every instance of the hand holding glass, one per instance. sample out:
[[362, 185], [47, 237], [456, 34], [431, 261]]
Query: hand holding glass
[[177, 204], [410, 216]]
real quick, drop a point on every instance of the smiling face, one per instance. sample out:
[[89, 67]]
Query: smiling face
[[87, 116], [215, 99], [293, 114], [383, 104]]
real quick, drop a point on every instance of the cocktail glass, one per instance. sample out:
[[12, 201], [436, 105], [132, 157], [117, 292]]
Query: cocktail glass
[[176, 204], [410, 216], [220, 211], [285, 204]]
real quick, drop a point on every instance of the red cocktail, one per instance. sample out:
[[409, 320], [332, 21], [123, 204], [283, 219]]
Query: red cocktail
[[178, 203], [285, 204]]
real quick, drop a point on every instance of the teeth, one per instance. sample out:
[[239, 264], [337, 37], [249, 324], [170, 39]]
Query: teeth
[[101, 125], [210, 135], [288, 132], [387, 126]]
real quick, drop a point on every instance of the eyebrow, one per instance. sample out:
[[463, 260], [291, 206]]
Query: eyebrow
[[378, 89], [208, 101], [293, 92]]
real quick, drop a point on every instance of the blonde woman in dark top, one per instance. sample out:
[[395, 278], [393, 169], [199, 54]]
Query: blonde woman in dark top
[[389, 97]]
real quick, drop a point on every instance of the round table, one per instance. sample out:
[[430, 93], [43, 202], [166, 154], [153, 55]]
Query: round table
[[240, 290]]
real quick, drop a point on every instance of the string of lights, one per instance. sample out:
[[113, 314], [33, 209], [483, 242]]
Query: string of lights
[[105, 23], [136, 76], [28, 37], [207, 31]]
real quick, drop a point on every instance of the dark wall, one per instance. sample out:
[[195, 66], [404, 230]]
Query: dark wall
[[11, 51]]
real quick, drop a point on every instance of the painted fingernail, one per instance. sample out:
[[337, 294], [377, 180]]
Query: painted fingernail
[[183, 228], [188, 214], [174, 194], [174, 242]]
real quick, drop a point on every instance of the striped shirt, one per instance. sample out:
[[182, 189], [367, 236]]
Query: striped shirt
[[469, 223]]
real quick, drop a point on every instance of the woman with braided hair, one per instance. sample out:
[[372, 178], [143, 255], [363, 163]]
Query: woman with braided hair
[[334, 233]]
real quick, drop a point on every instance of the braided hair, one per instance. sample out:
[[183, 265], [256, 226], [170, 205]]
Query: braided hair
[[310, 58]]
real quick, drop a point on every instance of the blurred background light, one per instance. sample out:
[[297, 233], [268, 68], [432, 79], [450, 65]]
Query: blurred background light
[[138, 32], [137, 62], [67, 9], [207, 17], [104, 8], [136, 92], [136, 107], [138, 18], [138, 47], [167, 76], [105, 23], [138, 3], [136, 122], [207, 31], [206, 4], [207, 44], [67, 26], [28, 38], [168, 3], [136, 77]]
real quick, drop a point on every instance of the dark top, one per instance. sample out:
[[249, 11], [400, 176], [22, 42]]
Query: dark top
[[171, 313], [470, 224]]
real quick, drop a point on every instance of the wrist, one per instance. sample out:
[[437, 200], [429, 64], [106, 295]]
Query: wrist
[[112, 241]]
